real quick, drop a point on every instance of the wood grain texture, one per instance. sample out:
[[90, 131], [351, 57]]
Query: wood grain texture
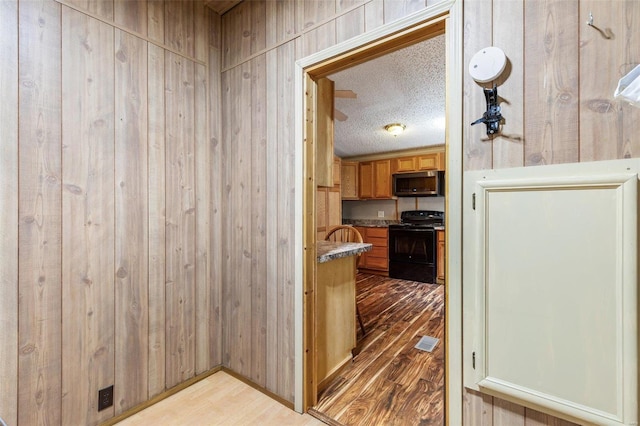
[[88, 216], [132, 216], [389, 381], [216, 208], [40, 207], [9, 212], [204, 284], [606, 60], [237, 32], [259, 190], [373, 14], [132, 14], [508, 150], [155, 23], [272, 357], [200, 30], [551, 86], [314, 12], [319, 38], [157, 219], [477, 35], [507, 413], [396, 9], [350, 24], [102, 8], [281, 20], [179, 26], [180, 219], [477, 408]]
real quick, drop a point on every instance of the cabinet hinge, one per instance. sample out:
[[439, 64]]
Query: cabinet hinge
[[473, 360], [473, 201]]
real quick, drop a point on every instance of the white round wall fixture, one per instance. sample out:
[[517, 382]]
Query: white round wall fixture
[[487, 64]]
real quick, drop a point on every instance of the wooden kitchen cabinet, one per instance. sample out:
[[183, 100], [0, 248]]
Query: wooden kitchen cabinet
[[440, 253], [328, 210], [376, 260], [375, 179], [349, 180], [337, 171], [416, 163]]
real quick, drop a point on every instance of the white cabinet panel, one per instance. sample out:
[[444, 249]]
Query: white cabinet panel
[[550, 288]]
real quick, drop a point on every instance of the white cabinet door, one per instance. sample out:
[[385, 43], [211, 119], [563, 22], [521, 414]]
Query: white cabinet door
[[550, 288]]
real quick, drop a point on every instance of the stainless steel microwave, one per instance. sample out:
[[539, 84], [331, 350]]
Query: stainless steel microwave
[[418, 184]]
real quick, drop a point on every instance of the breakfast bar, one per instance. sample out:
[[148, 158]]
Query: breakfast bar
[[335, 306]]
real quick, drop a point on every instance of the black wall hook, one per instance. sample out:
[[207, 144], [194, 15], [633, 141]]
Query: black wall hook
[[492, 116]]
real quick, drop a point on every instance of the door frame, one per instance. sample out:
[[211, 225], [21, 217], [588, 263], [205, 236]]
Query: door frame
[[446, 17]]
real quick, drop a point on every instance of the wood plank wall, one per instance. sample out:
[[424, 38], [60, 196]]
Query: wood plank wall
[[558, 106], [260, 42], [110, 128], [561, 112]]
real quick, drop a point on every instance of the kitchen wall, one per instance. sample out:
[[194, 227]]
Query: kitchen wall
[[108, 270], [354, 209]]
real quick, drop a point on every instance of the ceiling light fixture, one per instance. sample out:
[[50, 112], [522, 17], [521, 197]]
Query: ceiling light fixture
[[395, 128]]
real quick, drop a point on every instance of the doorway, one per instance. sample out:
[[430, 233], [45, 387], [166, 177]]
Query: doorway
[[445, 17]]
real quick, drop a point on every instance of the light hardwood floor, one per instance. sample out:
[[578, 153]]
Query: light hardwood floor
[[220, 399]]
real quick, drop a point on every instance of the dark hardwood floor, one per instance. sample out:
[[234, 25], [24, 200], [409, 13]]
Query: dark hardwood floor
[[389, 381]]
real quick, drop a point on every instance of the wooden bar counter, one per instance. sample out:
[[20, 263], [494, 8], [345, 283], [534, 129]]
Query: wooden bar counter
[[335, 326]]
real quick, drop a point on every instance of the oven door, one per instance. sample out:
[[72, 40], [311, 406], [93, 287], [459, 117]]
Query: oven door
[[415, 245]]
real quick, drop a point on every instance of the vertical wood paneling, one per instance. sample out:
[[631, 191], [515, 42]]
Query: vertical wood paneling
[[131, 14], [286, 210], [271, 158], [508, 148], [88, 216], [551, 85], [373, 14], [317, 11], [157, 219], [155, 23], [507, 413], [396, 9], [180, 215], [237, 34], [258, 25], [477, 35], [102, 8], [131, 262], [319, 38], [9, 212], [200, 30], [350, 25], [477, 408], [280, 20], [215, 103], [536, 418], [259, 220], [226, 207], [40, 207], [204, 278], [606, 60], [241, 231], [179, 25]]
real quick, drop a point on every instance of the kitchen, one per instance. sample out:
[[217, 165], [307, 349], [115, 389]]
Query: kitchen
[[376, 176]]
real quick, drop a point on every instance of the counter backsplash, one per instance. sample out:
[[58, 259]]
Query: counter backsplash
[[369, 222]]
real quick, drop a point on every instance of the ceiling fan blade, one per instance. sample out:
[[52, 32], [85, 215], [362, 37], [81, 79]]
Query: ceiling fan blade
[[339, 115], [345, 94]]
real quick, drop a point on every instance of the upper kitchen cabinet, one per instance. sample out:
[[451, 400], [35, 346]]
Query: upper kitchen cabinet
[[431, 161], [375, 179], [349, 180]]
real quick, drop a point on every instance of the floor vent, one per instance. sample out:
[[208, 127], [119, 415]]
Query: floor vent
[[427, 343]]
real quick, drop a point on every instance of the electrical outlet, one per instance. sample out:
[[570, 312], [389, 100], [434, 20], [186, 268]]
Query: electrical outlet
[[105, 398], [380, 213]]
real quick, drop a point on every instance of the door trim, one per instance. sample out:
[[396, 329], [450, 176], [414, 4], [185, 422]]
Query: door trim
[[446, 17]]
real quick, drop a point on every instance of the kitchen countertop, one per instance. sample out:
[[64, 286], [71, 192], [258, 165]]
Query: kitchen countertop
[[375, 223], [328, 250]]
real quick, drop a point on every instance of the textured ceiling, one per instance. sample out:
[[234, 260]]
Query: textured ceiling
[[406, 86]]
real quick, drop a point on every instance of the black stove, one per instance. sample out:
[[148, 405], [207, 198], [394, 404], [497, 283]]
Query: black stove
[[412, 245], [420, 219]]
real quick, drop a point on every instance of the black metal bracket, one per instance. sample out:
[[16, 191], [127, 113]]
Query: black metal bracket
[[492, 116]]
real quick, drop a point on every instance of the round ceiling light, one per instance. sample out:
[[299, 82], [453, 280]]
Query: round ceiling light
[[395, 128]]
